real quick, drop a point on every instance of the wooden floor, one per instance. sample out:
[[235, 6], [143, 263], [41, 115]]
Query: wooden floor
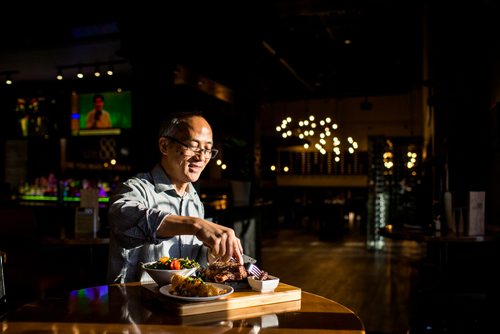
[[377, 285]]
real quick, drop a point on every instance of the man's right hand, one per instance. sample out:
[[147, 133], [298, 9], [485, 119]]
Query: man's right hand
[[221, 240]]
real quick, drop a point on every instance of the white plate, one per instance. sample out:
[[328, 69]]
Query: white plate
[[165, 290]]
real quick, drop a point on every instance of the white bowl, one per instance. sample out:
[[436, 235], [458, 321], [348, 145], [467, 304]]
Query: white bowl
[[164, 276], [268, 285]]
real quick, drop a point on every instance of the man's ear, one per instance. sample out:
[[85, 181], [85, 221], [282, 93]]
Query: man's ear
[[163, 146]]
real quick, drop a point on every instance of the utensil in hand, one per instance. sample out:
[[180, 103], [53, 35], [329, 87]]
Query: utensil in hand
[[250, 267], [253, 270], [248, 259]]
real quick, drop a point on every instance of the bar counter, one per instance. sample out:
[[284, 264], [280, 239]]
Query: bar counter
[[132, 308]]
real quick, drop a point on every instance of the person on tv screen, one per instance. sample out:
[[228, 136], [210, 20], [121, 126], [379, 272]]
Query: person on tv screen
[[159, 213], [98, 117]]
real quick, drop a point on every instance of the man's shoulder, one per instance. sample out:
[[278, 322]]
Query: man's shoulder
[[140, 178]]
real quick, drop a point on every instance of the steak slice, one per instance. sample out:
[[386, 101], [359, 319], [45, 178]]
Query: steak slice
[[220, 272]]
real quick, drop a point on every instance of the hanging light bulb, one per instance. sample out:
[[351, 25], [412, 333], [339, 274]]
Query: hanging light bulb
[[322, 134], [97, 72], [59, 75], [110, 70], [79, 73], [8, 76]]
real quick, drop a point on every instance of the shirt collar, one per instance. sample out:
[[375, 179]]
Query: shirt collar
[[162, 182]]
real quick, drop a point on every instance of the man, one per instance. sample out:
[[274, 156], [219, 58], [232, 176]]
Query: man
[[98, 117], [159, 213]]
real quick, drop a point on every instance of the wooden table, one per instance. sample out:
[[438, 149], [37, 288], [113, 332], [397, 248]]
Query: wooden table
[[132, 308]]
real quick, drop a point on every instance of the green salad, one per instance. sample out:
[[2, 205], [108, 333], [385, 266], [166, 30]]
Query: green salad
[[173, 263]]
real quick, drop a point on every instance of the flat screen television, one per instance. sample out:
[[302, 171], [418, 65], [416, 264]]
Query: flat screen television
[[101, 113]]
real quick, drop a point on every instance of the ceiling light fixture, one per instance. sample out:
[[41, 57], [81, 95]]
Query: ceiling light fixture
[[319, 134], [8, 76], [79, 74], [110, 70], [59, 75], [84, 67], [97, 73]]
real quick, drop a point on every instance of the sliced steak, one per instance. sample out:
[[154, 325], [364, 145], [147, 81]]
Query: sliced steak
[[225, 271]]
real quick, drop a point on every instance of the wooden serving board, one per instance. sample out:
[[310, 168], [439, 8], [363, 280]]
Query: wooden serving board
[[239, 299]]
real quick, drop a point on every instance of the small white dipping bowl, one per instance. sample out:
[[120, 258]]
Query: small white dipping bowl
[[268, 285]]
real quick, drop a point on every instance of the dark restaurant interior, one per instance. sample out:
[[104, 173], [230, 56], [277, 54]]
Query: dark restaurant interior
[[359, 145]]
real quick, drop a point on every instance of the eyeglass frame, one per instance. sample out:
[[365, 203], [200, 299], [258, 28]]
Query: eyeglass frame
[[196, 150]]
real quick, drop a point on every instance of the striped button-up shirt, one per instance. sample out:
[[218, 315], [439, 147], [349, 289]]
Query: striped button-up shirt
[[136, 210]]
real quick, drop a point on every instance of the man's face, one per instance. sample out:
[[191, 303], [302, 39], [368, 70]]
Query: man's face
[[182, 164], [98, 104]]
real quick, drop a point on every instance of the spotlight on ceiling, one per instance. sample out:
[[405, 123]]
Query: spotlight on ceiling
[[110, 70], [8, 76], [59, 75], [79, 74]]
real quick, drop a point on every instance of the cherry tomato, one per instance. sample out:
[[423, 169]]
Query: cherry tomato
[[175, 265]]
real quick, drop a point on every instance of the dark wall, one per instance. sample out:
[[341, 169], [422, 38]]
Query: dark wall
[[460, 81]]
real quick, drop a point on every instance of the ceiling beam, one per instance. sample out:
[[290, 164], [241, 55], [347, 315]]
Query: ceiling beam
[[290, 69]]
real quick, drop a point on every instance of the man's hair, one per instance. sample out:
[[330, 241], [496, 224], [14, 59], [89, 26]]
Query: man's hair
[[175, 121], [97, 96]]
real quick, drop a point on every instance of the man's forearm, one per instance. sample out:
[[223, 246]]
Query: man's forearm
[[173, 225]]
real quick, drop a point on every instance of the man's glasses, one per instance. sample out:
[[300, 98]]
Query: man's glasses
[[209, 154]]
